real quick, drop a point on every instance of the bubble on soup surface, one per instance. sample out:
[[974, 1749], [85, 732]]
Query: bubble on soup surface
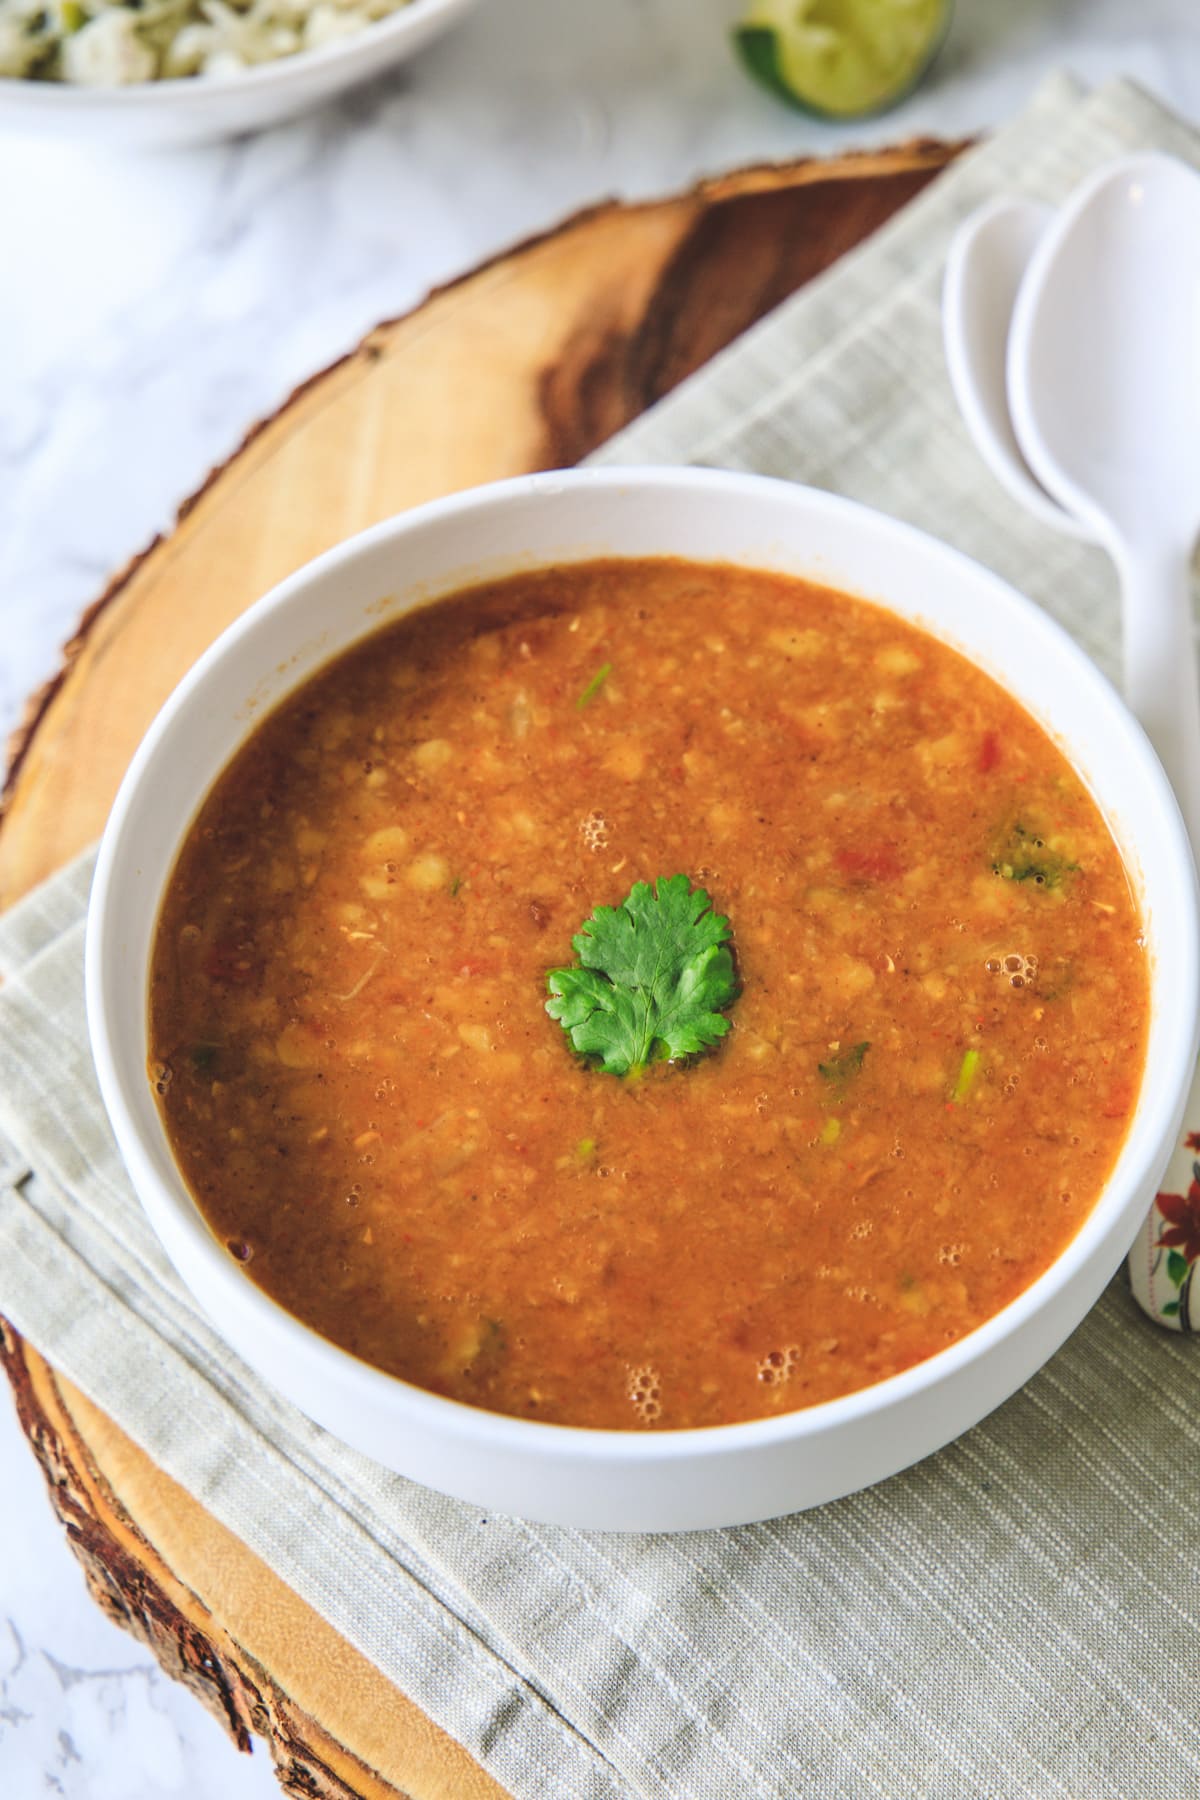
[[1018, 967], [594, 831], [645, 1393], [779, 1365], [239, 1249]]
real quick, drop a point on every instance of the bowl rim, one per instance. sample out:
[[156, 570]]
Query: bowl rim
[[414, 18], [458, 1421]]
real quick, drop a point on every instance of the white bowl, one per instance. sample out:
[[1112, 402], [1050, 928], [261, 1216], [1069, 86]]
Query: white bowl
[[616, 1479], [164, 114]]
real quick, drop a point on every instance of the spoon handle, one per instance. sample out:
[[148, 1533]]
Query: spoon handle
[[1162, 689], [1160, 668]]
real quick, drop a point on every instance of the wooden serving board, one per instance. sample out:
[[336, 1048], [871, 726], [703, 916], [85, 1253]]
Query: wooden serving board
[[529, 363]]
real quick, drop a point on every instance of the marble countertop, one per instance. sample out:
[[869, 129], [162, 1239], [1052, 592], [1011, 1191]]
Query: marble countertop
[[156, 305]]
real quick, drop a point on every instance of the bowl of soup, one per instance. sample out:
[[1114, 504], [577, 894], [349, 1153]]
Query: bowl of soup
[[644, 999], [122, 76]]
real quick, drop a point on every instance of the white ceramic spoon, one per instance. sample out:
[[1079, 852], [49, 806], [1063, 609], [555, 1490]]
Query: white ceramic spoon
[[1104, 392], [988, 257]]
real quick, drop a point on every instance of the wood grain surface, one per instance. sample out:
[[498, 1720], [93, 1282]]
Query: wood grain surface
[[528, 363]]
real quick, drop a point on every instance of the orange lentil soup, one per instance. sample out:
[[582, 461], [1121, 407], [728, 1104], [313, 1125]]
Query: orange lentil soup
[[929, 1070]]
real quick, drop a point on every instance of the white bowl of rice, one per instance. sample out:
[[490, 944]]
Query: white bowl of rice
[[172, 72]]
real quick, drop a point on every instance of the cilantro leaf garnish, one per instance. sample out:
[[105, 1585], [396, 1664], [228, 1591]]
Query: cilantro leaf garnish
[[652, 977]]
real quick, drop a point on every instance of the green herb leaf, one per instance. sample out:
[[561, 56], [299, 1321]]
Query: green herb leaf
[[841, 1068], [594, 685], [1025, 856], [652, 976]]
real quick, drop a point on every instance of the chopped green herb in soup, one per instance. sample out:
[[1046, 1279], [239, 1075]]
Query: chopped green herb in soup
[[647, 994]]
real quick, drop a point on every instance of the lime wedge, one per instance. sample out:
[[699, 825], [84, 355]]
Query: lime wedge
[[841, 58]]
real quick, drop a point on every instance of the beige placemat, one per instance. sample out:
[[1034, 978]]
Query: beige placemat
[[1018, 1616]]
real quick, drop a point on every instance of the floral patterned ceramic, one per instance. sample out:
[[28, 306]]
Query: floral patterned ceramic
[[1167, 1251]]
